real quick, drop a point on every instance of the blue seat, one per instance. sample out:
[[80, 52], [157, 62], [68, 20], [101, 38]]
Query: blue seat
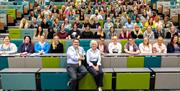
[[85, 44], [17, 42], [28, 33], [67, 44], [138, 41]]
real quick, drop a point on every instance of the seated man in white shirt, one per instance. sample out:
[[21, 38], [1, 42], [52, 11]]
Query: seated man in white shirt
[[76, 70], [159, 46], [114, 46]]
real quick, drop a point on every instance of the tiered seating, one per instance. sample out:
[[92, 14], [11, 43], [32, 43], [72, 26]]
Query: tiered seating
[[47, 72]]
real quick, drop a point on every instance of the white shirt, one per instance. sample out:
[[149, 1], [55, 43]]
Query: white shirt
[[98, 16], [93, 56], [8, 49], [41, 44], [145, 49], [73, 56], [115, 48], [131, 48], [160, 48]]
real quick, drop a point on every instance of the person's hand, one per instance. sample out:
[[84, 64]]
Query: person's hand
[[96, 68], [81, 58], [162, 51], [41, 52]]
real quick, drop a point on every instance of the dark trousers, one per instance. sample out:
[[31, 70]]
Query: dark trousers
[[76, 72], [98, 75]]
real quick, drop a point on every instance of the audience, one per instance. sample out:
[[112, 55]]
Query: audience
[[159, 32], [137, 33], [7, 47], [131, 47], [74, 33], [174, 45], [102, 46], [26, 46], [39, 32], [24, 23], [111, 32], [41, 46], [100, 33], [146, 46], [67, 25], [171, 32], [129, 24], [51, 33], [56, 46], [159, 46], [124, 33], [87, 33], [108, 24], [149, 33], [62, 33], [114, 46]]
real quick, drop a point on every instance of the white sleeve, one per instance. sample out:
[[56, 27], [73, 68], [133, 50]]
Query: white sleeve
[[165, 49], [110, 48], [88, 59], [150, 48], [120, 48], [13, 48], [141, 48], [99, 59]]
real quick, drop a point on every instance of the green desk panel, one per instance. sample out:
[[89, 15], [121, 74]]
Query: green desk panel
[[50, 62], [123, 42], [135, 62], [133, 81], [88, 82]]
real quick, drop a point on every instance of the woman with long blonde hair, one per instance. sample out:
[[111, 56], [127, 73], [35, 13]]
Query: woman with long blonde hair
[[56, 46]]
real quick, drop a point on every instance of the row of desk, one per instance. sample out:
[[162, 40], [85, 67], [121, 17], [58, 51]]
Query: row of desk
[[108, 61], [114, 79]]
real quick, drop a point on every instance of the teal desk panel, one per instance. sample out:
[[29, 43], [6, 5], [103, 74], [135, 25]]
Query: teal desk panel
[[54, 81], [3, 62], [152, 61], [18, 81]]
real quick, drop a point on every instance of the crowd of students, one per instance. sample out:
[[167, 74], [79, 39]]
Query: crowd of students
[[125, 19]]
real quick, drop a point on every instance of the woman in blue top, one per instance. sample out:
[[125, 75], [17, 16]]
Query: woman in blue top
[[94, 64], [42, 46]]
